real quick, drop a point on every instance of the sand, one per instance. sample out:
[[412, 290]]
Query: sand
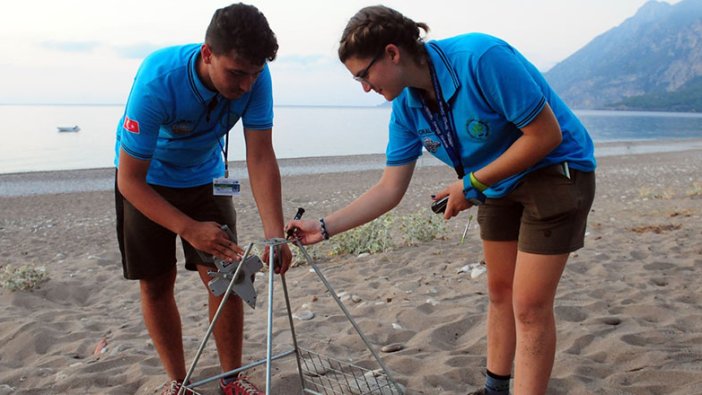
[[629, 305]]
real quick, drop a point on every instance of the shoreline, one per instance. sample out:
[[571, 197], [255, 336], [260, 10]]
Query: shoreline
[[102, 179]]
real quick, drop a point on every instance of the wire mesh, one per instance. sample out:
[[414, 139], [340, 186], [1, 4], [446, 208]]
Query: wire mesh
[[329, 376]]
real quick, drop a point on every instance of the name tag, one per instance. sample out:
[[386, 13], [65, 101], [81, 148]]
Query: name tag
[[225, 186]]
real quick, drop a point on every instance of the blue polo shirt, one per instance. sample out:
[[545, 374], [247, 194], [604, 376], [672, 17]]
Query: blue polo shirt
[[492, 91], [174, 120]]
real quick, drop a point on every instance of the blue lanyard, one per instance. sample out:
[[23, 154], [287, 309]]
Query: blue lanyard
[[447, 135]]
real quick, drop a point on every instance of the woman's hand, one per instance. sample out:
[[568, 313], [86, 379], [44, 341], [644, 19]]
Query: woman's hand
[[457, 202], [307, 231]]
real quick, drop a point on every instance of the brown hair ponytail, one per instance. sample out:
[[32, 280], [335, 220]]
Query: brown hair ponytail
[[372, 28]]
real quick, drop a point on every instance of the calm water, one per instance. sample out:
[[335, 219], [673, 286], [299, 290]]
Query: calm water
[[31, 142]]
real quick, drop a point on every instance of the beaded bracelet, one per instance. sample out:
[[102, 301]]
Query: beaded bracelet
[[323, 226]]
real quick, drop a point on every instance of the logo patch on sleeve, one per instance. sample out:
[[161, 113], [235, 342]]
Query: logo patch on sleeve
[[131, 125]]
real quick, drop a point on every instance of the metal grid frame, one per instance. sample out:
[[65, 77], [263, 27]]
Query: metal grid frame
[[330, 376], [323, 375]]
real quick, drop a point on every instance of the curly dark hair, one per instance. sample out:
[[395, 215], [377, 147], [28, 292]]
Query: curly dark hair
[[372, 28], [244, 29]]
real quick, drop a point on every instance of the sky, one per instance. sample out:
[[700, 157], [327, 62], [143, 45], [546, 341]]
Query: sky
[[87, 51]]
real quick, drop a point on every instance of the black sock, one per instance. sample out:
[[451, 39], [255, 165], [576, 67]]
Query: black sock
[[496, 384]]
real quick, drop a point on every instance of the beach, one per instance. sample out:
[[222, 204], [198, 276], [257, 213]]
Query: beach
[[628, 308]]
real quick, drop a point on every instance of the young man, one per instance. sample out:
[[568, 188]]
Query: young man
[[171, 145]]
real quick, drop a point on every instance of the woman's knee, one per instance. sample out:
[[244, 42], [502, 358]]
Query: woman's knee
[[500, 291], [533, 312]]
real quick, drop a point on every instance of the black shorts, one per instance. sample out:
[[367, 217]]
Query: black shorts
[[148, 249], [546, 213]]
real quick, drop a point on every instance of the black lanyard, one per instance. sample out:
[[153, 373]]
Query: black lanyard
[[447, 135], [225, 150]]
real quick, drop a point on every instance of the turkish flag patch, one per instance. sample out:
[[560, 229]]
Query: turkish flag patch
[[131, 125]]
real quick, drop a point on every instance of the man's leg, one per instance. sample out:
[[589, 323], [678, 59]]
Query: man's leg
[[229, 330], [162, 321], [500, 257], [535, 281]]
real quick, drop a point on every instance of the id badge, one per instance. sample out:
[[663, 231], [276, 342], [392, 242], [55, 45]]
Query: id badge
[[225, 186]]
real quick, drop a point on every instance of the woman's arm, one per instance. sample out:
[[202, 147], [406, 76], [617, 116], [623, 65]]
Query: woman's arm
[[376, 201]]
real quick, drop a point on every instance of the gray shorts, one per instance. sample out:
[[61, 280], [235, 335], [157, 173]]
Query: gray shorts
[[546, 213], [148, 249]]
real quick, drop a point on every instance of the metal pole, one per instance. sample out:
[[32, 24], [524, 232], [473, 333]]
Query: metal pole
[[348, 315], [269, 340], [240, 369], [292, 331], [214, 319]]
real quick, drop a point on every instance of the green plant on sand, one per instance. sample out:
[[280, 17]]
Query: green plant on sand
[[420, 227], [23, 277]]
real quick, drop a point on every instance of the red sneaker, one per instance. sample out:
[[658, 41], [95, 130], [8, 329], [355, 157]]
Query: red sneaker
[[240, 386]]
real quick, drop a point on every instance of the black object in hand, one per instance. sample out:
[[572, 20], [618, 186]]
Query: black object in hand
[[439, 206], [297, 216]]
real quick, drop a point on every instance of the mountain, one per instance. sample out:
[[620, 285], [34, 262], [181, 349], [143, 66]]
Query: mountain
[[652, 61]]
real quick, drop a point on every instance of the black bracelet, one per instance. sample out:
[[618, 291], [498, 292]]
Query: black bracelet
[[323, 229]]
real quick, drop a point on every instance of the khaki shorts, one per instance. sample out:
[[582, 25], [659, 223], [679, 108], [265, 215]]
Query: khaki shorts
[[546, 213], [148, 249]]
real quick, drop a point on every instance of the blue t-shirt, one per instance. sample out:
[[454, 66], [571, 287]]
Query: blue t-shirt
[[492, 91], [176, 122]]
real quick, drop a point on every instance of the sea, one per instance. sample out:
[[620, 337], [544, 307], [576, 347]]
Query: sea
[[31, 141]]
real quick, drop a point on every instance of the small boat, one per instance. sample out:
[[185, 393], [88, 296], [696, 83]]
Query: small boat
[[73, 128]]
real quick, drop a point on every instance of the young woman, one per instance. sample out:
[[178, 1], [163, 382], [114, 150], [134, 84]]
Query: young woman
[[519, 153]]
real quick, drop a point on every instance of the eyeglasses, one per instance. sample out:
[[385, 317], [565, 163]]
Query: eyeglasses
[[362, 75]]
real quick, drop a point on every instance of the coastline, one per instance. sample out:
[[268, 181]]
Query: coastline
[[102, 179], [629, 305]]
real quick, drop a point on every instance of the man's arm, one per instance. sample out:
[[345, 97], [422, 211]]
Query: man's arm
[[264, 176], [205, 236]]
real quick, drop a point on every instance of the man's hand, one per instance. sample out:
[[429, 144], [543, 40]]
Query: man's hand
[[281, 260], [210, 238]]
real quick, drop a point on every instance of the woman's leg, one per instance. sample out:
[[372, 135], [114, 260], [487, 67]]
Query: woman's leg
[[535, 281], [500, 257]]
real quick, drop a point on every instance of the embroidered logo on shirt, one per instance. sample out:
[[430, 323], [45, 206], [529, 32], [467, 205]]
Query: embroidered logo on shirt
[[478, 130], [182, 127], [131, 125], [431, 145]]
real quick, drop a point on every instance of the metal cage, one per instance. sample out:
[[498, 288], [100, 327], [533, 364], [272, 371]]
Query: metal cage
[[319, 374]]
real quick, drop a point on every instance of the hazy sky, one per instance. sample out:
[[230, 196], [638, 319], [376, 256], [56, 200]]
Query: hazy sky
[[80, 51]]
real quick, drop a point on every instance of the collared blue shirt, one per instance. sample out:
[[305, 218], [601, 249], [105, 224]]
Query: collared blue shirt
[[493, 91], [172, 120]]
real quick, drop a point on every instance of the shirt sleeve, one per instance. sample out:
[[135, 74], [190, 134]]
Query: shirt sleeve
[[258, 114], [404, 145], [142, 120], [508, 87]]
